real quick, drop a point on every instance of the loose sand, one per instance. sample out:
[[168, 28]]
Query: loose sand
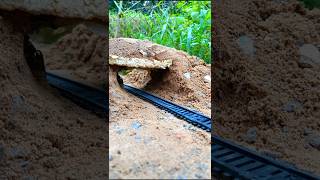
[[43, 135], [265, 100]]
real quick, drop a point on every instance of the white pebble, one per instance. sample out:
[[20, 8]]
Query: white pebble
[[207, 79]]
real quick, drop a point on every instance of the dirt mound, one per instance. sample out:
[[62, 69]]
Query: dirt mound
[[185, 82], [266, 98], [146, 142], [43, 135], [81, 54]]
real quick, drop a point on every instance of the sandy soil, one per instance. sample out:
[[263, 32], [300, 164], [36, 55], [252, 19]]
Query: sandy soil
[[146, 142], [184, 82], [43, 135], [80, 54], [264, 98]]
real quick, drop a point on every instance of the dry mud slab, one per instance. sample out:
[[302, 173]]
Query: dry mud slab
[[43, 135], [267, 81], [146, 142]]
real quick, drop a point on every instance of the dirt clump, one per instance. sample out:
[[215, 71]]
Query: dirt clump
[[43, 135], [265, 97]]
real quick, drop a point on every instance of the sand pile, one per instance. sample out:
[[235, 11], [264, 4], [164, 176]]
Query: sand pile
[[43, 135], [80, 54], [186, 82], [146, 142], [266, 83]]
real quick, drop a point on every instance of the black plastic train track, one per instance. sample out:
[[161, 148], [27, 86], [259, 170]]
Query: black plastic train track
[[229, 161], [190, 116], [86, 96]]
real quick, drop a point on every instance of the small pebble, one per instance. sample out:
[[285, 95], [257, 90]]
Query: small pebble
[[24, 164], [187, 75], [207, 79], [138, 138], [119, 130], [309, 56], [110, 158], [314, 141], [136, 125], [202, 166], [292, 106], [246, 45], [307, 131], [251, 135], [17, 152]]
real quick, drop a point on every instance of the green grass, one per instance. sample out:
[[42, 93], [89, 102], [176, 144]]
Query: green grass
[[185, 26], [311, 3]]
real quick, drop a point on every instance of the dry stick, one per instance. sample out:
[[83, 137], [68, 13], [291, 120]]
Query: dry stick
[[139, 62]]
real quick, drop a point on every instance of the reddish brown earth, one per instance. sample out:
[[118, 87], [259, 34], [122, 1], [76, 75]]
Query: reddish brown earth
[[266, 100]]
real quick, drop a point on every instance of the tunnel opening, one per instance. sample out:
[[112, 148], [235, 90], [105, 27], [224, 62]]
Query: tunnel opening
[[141, 78]]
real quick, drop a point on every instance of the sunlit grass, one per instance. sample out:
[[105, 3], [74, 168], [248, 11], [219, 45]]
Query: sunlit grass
[[188, 30]]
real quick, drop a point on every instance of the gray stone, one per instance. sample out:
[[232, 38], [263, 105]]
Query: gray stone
[[305, 62], [136, 125], [314, 141], [272, 154], [24, 164], [17, 152], [292, 106], [246, 44], [251, 135], [307, 131], [189, 127], [309, 56]]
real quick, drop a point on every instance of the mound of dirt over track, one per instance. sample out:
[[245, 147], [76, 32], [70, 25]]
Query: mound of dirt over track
[[187, 81], [267, 80], [42, 135], [146, 142]]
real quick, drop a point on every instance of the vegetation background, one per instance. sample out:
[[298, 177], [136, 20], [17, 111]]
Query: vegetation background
[[311, 3], [184, 25]]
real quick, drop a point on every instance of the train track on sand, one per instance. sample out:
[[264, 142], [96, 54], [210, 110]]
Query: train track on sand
[[229, 160], [85, 96]]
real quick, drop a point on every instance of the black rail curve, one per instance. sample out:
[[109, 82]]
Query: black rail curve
[[231, 161], [88, 97], [190, 116]]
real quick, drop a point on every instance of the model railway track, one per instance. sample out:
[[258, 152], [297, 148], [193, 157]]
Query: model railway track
[[88, 97], [190, 116], [229, 160]]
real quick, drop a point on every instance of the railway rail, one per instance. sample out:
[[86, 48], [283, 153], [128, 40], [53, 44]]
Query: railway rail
[[190, 116], [229, 160], [86, 96]]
